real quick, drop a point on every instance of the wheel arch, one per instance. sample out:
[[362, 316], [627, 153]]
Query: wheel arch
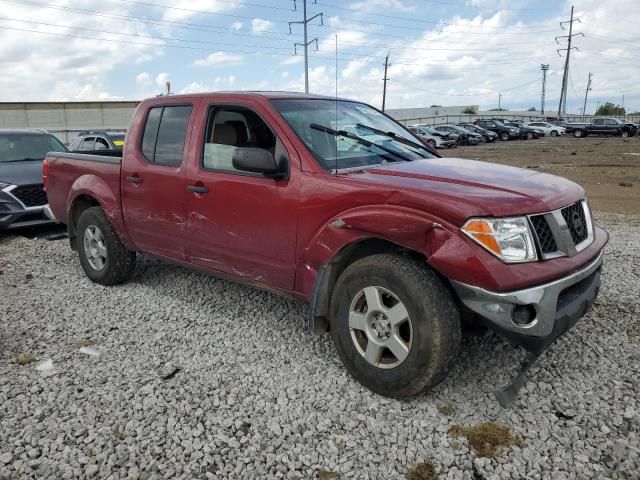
[[353, 236], [91, 191]]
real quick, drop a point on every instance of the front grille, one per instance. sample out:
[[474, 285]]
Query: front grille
[[576, 221], [545, 236], [30, 195]]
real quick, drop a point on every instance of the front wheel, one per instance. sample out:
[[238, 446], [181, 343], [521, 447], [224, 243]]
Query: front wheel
[[432, 143], [578, 133], [504, 136], [394, 324], [103, 257], [625, 134], [554, 133]]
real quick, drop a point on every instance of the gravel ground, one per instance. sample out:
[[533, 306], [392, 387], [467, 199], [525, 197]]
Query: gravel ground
[[257, 396]]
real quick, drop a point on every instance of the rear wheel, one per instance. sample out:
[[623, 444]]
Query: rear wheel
[[554, 133], [578, 133], [394, 324], [504, 136], [530, 136], [432, 142], [103, 257]]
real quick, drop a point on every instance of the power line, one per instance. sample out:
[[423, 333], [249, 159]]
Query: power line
[[438, 2], [465, 94]]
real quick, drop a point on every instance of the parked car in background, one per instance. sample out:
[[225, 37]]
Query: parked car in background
[[488, 135], [97, 140], [388, 243], [22, 197], [548, 128], [558, 123], [436, 141], [465, 137], [503, 131], [439, 133], [525, 132], [602, 126]]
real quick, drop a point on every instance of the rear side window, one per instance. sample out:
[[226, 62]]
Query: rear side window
[[164, 134]]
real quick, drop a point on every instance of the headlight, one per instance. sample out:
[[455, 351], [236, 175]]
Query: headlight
[[4, 185], [509, 239]]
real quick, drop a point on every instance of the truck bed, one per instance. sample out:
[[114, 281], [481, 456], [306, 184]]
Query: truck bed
[[73, 174]]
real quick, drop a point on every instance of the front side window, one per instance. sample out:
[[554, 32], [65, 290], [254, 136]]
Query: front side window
[[164, 134], [611, 122], [230, 128], [342, 134]]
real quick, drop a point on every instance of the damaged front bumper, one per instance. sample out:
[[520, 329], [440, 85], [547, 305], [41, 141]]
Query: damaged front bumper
[[535, 317]]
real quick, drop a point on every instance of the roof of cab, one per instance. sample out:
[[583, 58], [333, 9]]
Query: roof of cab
[[268, 95]]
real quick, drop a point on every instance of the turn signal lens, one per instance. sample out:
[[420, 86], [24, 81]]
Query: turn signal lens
[[509, 239]]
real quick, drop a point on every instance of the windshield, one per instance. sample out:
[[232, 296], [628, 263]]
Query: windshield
[[27, 146], [342, 134]]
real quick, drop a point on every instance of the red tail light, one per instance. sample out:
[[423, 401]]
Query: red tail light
[[45, 173]]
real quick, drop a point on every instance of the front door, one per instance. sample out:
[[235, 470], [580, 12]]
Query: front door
[[153, 182], [241, 223]]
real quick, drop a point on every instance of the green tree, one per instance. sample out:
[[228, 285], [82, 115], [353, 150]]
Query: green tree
[[610, 109], [470, 110], [532, 109]]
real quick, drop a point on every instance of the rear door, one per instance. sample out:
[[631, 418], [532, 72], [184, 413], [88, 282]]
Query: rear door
[[241, 223], [598, 126], [153, 181], [611, 126]]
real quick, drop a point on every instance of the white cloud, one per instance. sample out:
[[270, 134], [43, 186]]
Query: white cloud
[[219, 59], [143, 79], [259, 25], [292, 60], [185, 9], [219, 83], [236, 25]]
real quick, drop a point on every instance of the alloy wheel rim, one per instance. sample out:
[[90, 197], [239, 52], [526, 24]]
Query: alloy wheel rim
[[94, 247], [380, 327]]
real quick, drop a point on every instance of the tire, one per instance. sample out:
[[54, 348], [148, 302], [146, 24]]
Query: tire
[[554, 133], [625, 134], [430, 333], [103, 257], [530, 136], [504, 136], [432, 142], [578, 134]]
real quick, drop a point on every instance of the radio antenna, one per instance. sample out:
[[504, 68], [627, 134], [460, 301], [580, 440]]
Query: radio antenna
[[336, 126]]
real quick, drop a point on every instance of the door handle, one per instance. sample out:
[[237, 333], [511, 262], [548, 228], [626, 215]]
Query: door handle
[[134, 179], [197, 189]]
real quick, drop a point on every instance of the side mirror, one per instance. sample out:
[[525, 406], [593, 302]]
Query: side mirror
[[256, 160]]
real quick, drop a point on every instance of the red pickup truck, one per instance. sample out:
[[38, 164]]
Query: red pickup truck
[[332, 201]]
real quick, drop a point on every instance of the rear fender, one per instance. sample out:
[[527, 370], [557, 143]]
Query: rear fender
[[406, 228], [94, 187]]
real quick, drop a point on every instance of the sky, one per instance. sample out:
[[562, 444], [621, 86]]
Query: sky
[[442, 52]]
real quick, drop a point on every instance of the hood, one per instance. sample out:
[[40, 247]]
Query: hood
[[456, 189], [21, 173]]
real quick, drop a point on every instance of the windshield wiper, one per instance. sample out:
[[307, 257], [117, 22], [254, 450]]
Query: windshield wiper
[[393, 136], [344, 133], [26, 159]]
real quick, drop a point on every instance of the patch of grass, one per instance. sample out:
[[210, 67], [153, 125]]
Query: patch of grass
[[24, 358], [487, 438], [446, 410], [423, 471]]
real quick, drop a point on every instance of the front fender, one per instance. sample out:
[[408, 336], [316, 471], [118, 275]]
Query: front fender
[[412, 229]]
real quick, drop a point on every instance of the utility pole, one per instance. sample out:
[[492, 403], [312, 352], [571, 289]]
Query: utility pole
[[562, 107], [586, 93], [306, 42], [499, 101], [544, 69], [385, 79]]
